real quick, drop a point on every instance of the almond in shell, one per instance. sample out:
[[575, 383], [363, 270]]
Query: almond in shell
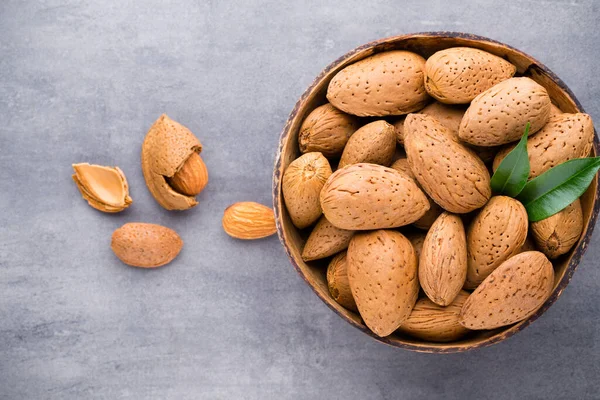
[[425, 222], [145, 245], [450, 173], [497, 233], [443, 262], [382, 271], [373, 143], [165, 150], [565, 137], [326, 130], [325, 240], [369, 196], [431, 322], [557, 234], [388, 83], [512, 293], [499, 115], [458, 74], [338, 284], [301, 184]]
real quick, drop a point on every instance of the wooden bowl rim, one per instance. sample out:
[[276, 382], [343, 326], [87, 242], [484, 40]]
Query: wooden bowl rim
[[442, 347]]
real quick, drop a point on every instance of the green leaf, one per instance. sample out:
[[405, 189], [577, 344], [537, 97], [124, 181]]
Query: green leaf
[[512, 173], [558, 187]]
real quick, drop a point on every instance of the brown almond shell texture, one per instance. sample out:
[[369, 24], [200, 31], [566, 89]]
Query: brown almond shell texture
[[301, 185], [145, 245], [495, 234], [388, 83], [443, 261], [513, 292], [565, 137], [449, 172], [459, 74], [434, 323], [373, 143], [326, 130], [556, 235], [338, 284], [167, 146], [325, 240], [370, 196], [499, 115], [382, 271]]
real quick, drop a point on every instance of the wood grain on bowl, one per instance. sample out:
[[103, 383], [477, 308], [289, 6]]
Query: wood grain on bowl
[[426, 44]]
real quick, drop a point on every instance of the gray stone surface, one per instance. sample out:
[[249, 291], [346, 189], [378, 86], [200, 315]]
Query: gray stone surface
[[83, 81]]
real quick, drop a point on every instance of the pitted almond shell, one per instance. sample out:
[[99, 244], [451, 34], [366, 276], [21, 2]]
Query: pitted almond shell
[[457, 75], [554, 110], [443, 262], [166, 148], [373, 143], [499, 115], [382, 271], [370, 196], [565, 137], [325, 240], [327, 130], [434, 323], [425, 222], [338, 284], [388, 83], [416, 239], [557, 234], [104, 188], [450, 173], [497, 233], [513, 292], [145, 245], [302, 182]]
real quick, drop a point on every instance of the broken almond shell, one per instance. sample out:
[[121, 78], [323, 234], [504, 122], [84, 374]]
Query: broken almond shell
[[104, 188], [166, 148]]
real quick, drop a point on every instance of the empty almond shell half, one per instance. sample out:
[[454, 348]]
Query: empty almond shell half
[[167, 147], [104, 188]]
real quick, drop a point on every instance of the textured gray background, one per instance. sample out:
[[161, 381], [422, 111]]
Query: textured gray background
[[232, 320]]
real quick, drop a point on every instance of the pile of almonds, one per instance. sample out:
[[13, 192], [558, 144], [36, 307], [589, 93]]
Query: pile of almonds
[[394, 185], [175, 174]]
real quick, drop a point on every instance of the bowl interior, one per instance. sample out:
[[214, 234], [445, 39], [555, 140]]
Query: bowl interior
[[424, 44]]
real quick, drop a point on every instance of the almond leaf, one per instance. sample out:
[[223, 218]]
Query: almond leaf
[[558, 187], [512, 173]]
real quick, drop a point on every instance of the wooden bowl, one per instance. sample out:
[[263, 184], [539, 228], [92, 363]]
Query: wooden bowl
[[425, 44]]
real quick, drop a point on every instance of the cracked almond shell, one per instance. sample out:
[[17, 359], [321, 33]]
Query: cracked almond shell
[[104, 188], [166, 148]]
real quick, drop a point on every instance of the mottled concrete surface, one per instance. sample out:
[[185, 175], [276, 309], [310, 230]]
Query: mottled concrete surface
[[83, 81]]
